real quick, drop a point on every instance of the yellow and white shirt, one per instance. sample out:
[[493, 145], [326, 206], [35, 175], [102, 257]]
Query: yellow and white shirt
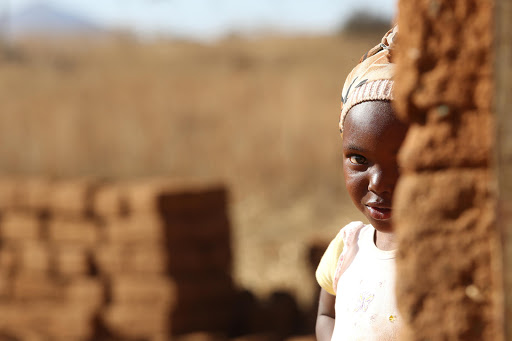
[[362, 277]]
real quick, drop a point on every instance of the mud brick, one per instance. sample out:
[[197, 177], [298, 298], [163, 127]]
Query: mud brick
[[195, 290], [14, 319], [45, 321], [62, 321], [160, 337], [88, 293], [440, 198], [202, 336], [5, 288], [8, 194], [268, 336], [146, 259], [20, 226], [32, 193], [136, 229], [131, 258], [142, 197], [439, 145], [109, 201], [215, 320], [222, 300], [70, 260], [21, 334], [109, 259], [68, 338], [454, 213], [189, 201], [200, 257], [143, 290], [73, 231], [8, 259], [33, 258], [214, 227], [136, 321], [174, 196], [31, 288], [72, 197], [22, 194]]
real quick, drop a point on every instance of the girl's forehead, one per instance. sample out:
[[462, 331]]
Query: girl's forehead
[[372, 122], [371, 115]]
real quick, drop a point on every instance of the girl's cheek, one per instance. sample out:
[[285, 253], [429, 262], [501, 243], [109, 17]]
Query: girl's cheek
[[349, 177], [355, 182]]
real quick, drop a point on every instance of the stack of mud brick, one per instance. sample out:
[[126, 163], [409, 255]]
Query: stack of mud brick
[[161, 235], [91, 260], [48, 286]]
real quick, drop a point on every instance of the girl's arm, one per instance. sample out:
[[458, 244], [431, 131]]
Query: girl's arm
[[325, 317]]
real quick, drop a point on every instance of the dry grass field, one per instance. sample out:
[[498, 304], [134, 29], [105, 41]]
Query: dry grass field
[[260, 115]]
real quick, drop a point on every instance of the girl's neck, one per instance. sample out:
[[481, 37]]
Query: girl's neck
[[385, 241]]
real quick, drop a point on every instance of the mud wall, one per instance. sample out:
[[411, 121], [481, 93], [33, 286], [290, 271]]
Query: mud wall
[[449, 283], [504, 147]]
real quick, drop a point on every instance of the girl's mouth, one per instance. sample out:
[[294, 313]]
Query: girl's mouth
[[379, 213]]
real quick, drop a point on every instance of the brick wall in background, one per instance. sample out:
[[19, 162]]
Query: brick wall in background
[[95, 260], [446, 198]]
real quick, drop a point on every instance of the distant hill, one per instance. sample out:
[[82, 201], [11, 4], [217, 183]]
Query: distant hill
[[43, 19]]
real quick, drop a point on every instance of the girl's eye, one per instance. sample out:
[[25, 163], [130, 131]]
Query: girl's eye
[[357, 159]]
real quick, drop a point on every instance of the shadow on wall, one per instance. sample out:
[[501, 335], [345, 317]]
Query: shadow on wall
[[145, 260]]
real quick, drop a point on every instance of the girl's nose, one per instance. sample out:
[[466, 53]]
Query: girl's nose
[[381, 181]]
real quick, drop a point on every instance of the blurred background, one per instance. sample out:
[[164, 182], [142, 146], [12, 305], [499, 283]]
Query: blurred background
[[246, 93]]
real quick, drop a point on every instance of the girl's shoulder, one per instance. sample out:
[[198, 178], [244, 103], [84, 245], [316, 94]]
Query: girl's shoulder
[[341, 244], [350, 232], [349, 236]]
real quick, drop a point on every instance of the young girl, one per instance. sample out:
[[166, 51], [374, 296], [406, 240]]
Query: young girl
[[357, 271]]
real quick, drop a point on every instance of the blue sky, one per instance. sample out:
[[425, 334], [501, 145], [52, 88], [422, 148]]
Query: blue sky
[[209, 19]]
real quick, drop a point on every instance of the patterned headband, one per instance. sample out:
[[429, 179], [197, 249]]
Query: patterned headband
[[372, 78]]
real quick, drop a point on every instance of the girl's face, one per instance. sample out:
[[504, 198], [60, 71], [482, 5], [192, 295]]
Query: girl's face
[[372, 136]]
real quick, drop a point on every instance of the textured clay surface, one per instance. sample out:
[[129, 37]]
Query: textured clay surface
[[445, 60], [444, 285], [446, 144], [445, 202]]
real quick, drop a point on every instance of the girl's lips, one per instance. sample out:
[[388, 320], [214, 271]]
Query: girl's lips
[[379, 213]]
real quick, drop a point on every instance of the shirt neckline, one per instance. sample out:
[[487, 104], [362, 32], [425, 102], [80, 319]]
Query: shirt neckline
[[381, 254]]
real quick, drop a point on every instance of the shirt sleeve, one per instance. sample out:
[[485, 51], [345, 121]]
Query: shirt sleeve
[[327, 267]]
